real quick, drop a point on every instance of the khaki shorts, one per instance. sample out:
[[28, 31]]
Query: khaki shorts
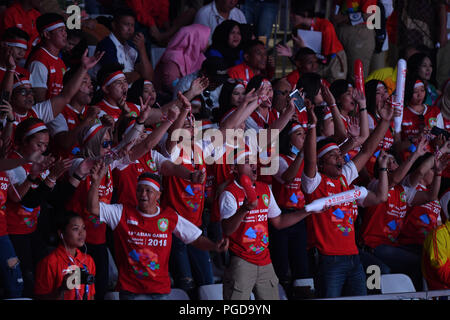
[[242, 277], [359, 43]]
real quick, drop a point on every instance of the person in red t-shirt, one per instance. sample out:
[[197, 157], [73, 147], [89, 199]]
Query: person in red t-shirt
[[288, 246], [67, 273], [302, 17], [417, 116], [143, 237], [384, 223], [332, 233], [16, 40], [255, 63], [246, 207], [46, 67], [23, 15], [96, 142]]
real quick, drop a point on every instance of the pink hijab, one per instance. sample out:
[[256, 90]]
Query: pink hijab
[[186, 48]]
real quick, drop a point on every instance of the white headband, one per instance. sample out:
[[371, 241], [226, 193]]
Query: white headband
[[16, 44], [148, 183], [419, 84], [323, 152], [21, 83], [119, 75], [35, 130], [53, 27], [298, 126]]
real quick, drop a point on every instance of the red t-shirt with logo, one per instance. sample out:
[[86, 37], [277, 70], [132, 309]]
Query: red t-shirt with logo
[[143, 250], [413, 123], [4, 185], [330, 41], [332, 231], [55, 68], [419, 221], [95, 229], [115, 111], [382, 223], [289, 195], [187, 198], [251, 240], [20, 219]]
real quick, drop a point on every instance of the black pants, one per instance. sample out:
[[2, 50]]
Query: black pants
[[99, 253], [30, 249]]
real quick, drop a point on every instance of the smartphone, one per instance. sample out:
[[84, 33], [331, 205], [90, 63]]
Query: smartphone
[[299, 102], [438, 131]]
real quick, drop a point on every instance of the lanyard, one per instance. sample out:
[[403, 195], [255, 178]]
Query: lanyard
[[86, 286]]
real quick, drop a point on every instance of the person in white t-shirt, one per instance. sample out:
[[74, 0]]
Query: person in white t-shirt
[[218, 11]]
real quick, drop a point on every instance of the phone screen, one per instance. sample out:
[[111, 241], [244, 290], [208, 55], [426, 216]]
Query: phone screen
[[299, 103]]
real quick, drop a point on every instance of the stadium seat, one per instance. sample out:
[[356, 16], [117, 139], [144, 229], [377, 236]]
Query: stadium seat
[[396, 283], [112, 295], [214, 292], [281, 292], [178, 294], [307, 282]]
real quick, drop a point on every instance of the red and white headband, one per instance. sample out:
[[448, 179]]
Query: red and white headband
[[40, 126], [149, 182], [327, 148], [419, 84], [22, 82], [380, 85], [53, 26], [92, 132], [147, 82], [113, 77], [19, 43], [295, 127]]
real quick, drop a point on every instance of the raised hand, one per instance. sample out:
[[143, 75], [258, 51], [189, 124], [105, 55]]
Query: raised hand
[[59, 167], [298, 41], [359, 97], [327, 95], [185, 103], [386, 112], [312, 118], [354, 130], [39, 167], [199, 85], [382, 159], [422, 146], [146, 109], [283, 51], [89, 62], [7, 110], [139, 41], [98, 171]]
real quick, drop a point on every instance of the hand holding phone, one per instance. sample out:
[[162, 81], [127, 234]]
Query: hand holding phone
[[299, 102]]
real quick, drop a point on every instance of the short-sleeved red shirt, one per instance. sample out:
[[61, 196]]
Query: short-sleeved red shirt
[[51, 271]]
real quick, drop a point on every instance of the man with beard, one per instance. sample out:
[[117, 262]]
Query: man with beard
[[46, 67]]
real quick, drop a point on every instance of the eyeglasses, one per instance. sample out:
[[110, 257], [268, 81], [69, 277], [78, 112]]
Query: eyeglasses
[[25, 92], [106, 144], [208, 100]]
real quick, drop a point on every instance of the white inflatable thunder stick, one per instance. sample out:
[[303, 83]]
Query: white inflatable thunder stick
[[400, 94], [335, 199]]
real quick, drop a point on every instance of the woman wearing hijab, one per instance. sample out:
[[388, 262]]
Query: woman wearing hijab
[[184, 55], [226, 43]]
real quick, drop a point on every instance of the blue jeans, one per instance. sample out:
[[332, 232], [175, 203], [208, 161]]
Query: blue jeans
[[288, 251], [125, 295], [401, 260], [11, 274], [262, 15], [189, 266], [340, 276]]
